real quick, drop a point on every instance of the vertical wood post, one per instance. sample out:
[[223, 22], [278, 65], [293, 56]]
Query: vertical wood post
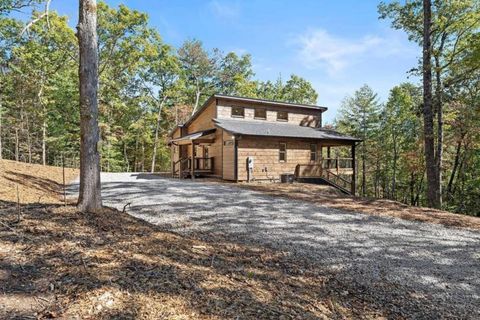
[[328, 157], [192, 164], [354, 171]]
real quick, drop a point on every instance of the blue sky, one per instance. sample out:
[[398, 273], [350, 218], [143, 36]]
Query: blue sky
[[337, 45]]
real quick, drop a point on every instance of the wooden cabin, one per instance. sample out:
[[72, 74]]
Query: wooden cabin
[[245, 139]]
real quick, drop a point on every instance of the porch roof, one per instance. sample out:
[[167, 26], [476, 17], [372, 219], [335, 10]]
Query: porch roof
[[193, 136], [274, 129]]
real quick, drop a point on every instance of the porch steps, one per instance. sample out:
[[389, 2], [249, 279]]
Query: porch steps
[[333, 184]]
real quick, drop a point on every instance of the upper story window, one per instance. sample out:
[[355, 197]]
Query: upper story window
[[260, 114], [313, 152], [282, 116], [238, 112]]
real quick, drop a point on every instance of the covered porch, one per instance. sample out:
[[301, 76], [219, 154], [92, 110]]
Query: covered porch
[[193, 157], [336, 166]]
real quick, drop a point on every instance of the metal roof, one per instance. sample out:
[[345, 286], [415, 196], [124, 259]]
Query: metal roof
[[274, 129], [269, 102], [195, 135]]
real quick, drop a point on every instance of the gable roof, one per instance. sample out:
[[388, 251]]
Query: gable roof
[[274, 129]]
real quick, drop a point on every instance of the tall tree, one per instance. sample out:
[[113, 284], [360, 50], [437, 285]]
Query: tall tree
[[433, 184], [299, 90], [90, 199], [451, 29], [359, 117], [198, 69]]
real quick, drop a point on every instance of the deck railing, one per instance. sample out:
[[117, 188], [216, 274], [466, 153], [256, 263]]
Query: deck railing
[[204, 163], [184, 165], [337, 163]]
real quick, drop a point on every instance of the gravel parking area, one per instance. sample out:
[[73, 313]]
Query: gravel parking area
[[418, 269]]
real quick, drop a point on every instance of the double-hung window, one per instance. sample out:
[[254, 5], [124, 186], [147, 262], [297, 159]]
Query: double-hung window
[[282, 152], [313, 152]]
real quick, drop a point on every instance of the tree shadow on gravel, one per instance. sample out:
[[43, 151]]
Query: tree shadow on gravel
[[113, 266], [416, 269]]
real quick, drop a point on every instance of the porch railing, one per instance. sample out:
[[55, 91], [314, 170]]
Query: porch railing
[[337, 163], [184, 165], [204, 163]]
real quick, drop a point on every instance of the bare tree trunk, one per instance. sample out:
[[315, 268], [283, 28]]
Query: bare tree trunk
[[17, 145], [439, 153], [135, 164], [143, 155], [1, 145], [157, 130], [455, 167], [44, 124], [125, 156], [364, 171], [432, 189], [197, 100], [90, 199], [394, 175], [29, 139]]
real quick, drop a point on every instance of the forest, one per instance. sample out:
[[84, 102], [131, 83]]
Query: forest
[[147, 87]]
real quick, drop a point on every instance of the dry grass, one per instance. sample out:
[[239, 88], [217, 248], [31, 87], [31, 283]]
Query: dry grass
[[35, 183], [328, 196]]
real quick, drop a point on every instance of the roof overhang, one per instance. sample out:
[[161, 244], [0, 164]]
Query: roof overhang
[[280, 130], [199, 137]]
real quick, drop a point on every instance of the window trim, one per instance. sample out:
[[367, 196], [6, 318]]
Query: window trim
[[280, 152], [260, 118], [280, 119], [314, 153], [237, 116]]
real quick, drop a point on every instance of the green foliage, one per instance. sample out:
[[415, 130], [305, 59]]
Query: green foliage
[[146, 87]]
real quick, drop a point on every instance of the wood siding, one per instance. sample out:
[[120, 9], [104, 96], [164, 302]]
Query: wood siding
[[204, 120], [265, 153], [228, 156], [296, 115]]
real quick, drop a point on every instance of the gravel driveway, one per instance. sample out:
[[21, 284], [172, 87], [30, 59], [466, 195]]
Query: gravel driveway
[[418, 269]]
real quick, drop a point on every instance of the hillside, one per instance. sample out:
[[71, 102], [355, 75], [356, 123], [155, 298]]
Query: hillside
[[35, 183]]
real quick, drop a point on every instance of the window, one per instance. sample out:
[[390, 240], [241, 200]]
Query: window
[[260, 114], [238, 112], [282, 155], [282, 116], [313, 152]]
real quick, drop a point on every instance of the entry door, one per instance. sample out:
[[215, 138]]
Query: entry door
[[205, 155]]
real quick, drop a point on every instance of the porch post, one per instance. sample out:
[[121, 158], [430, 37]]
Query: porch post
[[192, 163], [328, 157], [354, 173]]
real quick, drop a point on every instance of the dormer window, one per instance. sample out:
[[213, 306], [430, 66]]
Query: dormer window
[[260, 114], [282, 116], [238, 112]]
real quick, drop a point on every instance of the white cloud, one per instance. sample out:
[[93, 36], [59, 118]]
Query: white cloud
[[320, 49], [224, 10]]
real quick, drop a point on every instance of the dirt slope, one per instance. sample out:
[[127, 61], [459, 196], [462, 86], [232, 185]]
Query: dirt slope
[[36, 183]]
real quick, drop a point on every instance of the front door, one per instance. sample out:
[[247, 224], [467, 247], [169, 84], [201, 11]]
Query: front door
[[205, 156]]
